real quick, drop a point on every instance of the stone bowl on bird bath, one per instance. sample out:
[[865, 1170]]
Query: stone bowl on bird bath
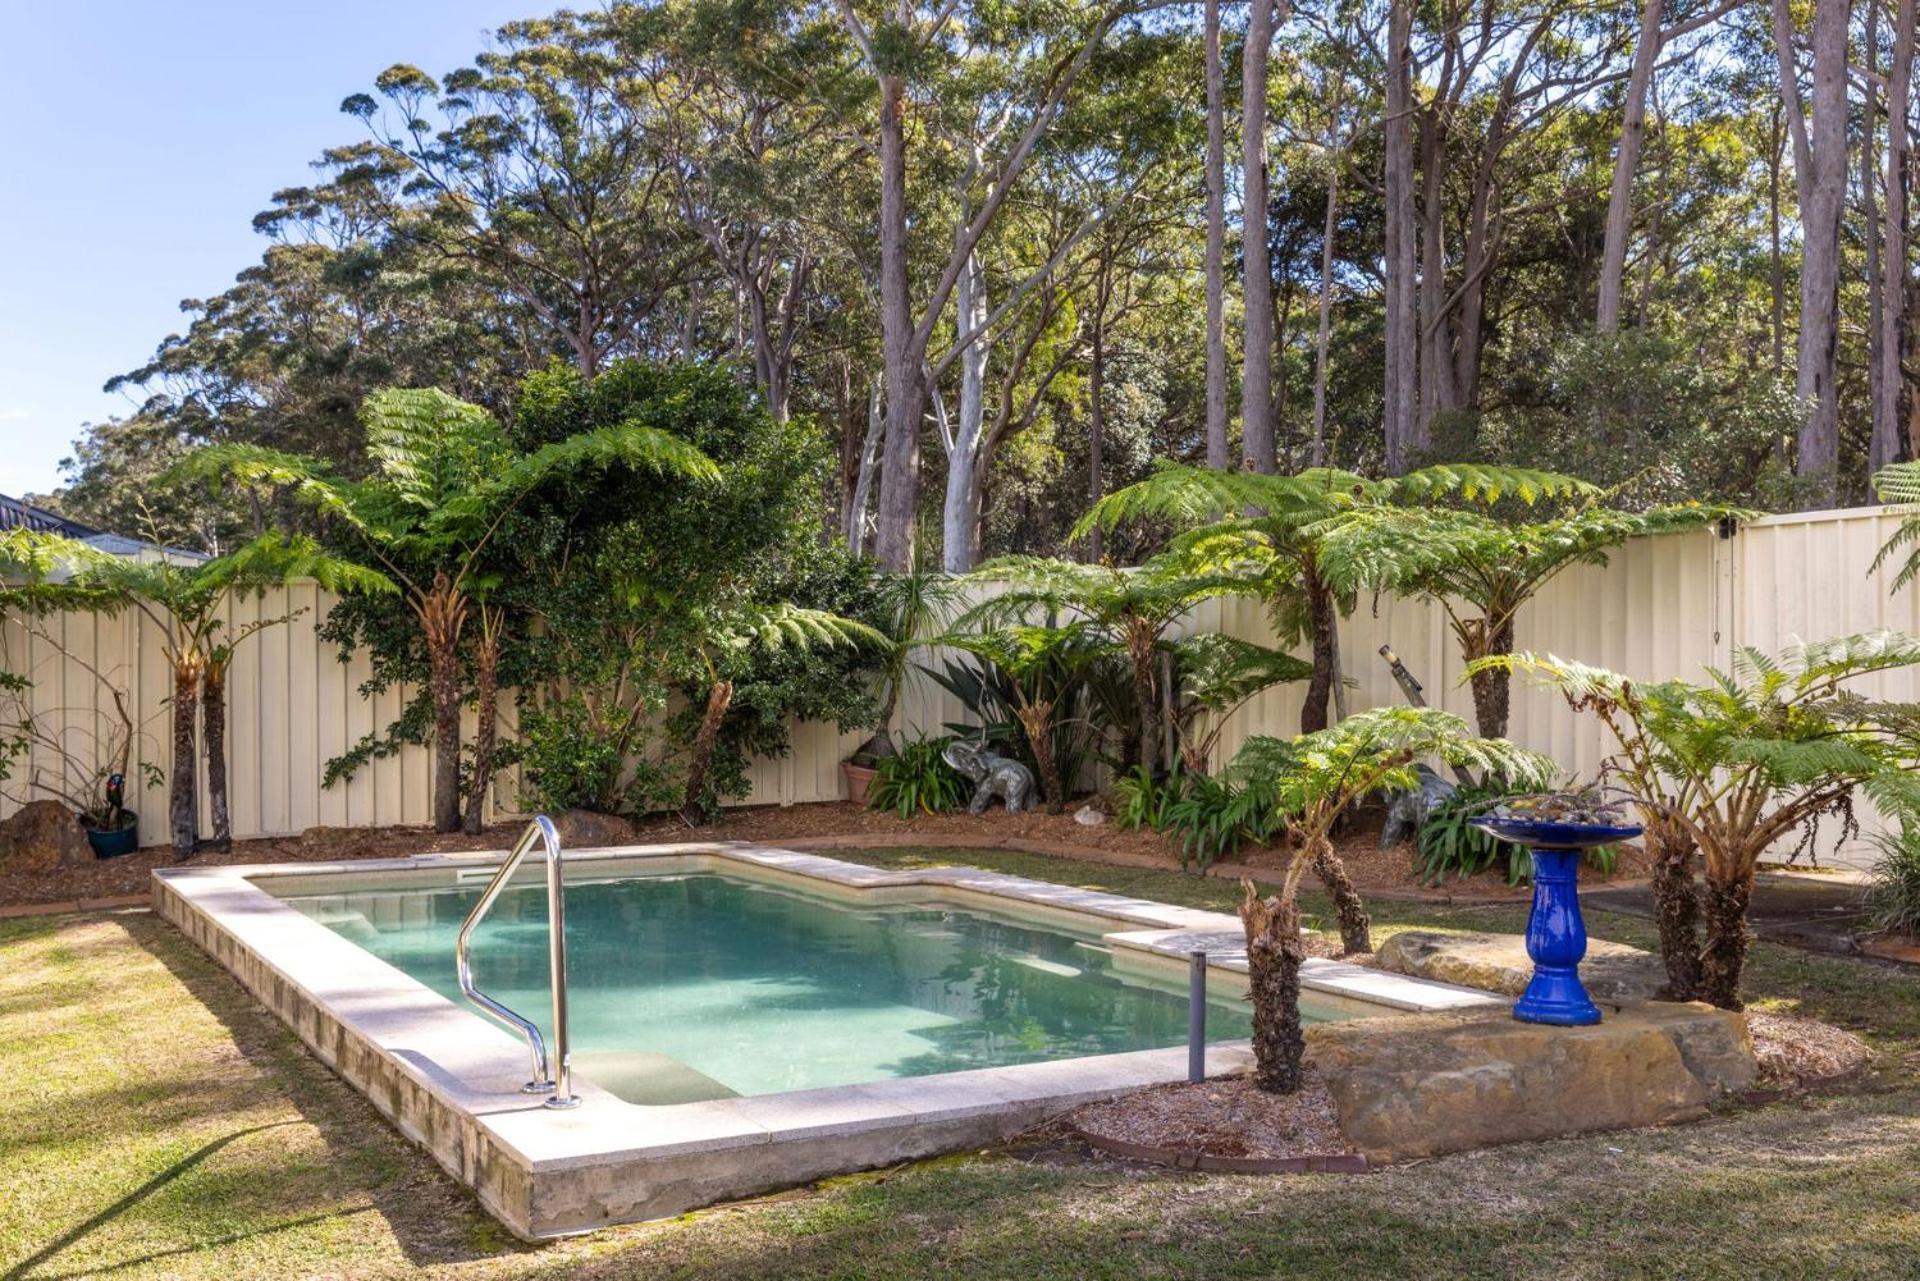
[[1558, 828]]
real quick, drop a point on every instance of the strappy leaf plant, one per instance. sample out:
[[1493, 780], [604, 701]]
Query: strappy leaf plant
[[443, 479], [1312, 781], [1729, 768]]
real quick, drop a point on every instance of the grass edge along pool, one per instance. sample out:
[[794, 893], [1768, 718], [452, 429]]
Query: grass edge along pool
[[449, 1079]]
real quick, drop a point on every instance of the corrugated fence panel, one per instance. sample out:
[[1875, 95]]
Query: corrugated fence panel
[[1661, 608]]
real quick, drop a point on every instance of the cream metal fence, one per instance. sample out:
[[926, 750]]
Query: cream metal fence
[[1662, 607]]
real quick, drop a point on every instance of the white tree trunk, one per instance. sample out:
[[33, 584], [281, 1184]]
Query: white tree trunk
[[1256, 385], [1216, 243], [1893, 258], [863, 477], [1402, 337], [960, 516], [1821, 146], [1626, 163], [900, 470]]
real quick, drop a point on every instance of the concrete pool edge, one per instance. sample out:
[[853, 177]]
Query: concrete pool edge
[[449, 1079]]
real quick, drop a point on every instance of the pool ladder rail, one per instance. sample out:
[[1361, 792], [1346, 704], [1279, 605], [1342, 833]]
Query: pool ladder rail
[[556, 1085]]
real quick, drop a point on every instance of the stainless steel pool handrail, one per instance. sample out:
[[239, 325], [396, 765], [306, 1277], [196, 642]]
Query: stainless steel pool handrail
[[557, 1086]]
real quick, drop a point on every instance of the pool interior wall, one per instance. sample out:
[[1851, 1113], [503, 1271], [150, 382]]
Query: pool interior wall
[[450, 1080]]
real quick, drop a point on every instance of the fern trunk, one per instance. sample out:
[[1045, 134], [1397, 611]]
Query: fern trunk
[[1140, 650], [1356, 927], [1492, 690], [1275, 951], [1725, 955], [442, 612], [1326, 664], [1036, 720], [183, 800], [1676, 909], [213, 717]]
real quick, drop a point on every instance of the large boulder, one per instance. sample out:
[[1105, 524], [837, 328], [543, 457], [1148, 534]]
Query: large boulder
[[43, 836], [1422, 1085], [1613, 972]]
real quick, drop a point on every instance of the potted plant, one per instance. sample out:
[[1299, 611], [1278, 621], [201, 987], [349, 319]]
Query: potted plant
[[1558, 827], [112, 829]]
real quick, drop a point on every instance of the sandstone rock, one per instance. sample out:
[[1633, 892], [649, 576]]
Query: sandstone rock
[[42, 836], [1612, 972], [1419, 1086], [588, 829]]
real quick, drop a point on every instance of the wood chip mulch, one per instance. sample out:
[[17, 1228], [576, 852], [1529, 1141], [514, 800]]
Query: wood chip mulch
[[1797, 1052], [1229, 1117]]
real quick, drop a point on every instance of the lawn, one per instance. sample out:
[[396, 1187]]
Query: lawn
[[164, 1125]]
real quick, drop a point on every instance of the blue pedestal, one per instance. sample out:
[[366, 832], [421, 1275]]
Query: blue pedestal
[[1556, 940]]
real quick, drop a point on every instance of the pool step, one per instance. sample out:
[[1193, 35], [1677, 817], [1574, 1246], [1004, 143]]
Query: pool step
[[647, 1078]]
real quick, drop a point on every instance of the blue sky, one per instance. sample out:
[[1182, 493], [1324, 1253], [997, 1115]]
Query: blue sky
[[141, 139]]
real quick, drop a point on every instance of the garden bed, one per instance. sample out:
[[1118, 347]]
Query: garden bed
[[1228, 1126]]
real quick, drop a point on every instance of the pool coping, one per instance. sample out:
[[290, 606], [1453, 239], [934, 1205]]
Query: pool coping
[[449, 1079]]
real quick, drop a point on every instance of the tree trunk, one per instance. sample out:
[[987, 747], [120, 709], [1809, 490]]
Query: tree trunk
[[960, 517], [906, 393], [1140, 649], [1822, 177], [1492, 690], [1323, 334], [1356, 927], [486, 680], [1880, 436], [1402, 374], [1626, 163], [1676, 909], [1256, 386], [1725, 954], [863, 475], [1888, 429], [1216, 243], [443, 613], [700, 760], [1096, 423], [213, 729], [1776, 257], [1321, 611], [183, 800], [1275, 951]]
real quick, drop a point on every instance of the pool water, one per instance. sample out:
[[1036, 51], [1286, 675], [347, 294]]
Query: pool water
[[696, 986]]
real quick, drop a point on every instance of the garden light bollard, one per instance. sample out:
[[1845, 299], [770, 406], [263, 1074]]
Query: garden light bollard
[[1196, 1016], [1556, 932]]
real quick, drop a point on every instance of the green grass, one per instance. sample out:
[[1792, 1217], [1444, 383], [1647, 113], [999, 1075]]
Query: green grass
[[161, 1124]]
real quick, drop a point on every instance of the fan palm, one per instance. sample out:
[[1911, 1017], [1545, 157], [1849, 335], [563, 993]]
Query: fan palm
[[187, 604], [1730, 766], [443, 479], [1313, 779]]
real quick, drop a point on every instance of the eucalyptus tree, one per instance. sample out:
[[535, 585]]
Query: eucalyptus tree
[[443, 478], [1733, 765], [188, 602], [1314, 780]]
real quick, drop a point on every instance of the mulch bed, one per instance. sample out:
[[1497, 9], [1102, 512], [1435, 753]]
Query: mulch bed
[[1228, 1124], [1798, 1053]]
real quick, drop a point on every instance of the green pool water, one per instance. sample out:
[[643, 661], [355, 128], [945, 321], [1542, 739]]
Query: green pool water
[[698, 986]]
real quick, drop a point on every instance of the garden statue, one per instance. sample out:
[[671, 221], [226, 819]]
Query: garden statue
[[1409, 811], [991, 774]]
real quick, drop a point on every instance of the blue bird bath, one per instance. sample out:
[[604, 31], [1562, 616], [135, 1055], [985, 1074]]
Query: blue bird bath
[[1556, 932]]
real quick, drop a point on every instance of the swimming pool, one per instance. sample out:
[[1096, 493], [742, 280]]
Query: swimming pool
[[744, 1017], [707, 985]]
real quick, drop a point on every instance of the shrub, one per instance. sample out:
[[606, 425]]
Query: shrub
[[1141, 800], [569, 762], [917, 778], [1893, 897]]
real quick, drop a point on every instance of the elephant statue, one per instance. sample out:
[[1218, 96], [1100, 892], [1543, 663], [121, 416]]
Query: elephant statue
[[991, 775]]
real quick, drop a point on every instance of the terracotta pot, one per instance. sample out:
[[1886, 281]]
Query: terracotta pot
[[859, 778]]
